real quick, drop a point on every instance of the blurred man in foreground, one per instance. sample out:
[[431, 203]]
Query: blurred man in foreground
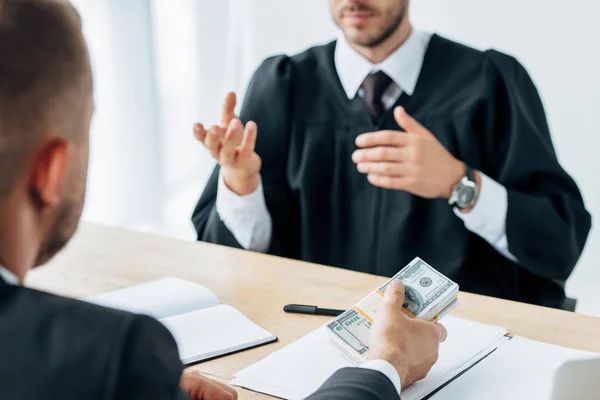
[[62, 348]]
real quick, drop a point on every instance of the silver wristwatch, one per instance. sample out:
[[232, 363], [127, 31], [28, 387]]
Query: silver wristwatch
[[465, 192]]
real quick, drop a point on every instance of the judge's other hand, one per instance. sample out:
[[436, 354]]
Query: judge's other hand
[[199, 387], [415, 162], [232, 145], [410, 345]]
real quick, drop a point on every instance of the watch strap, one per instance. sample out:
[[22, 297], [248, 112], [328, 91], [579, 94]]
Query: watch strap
[[468, 179], [470, 173]]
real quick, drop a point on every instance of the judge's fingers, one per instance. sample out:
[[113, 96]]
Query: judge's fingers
[[383, 138], [200, 132], [249, 141], [384, 168], [408, 123], [232, 139], [228, 112], [381, 153], [390, 182], [213, 141]]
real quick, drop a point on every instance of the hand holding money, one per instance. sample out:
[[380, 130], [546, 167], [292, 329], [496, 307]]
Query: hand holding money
[[429, 296], [410, 345]]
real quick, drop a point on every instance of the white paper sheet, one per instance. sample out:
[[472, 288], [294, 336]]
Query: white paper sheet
[[160, 298], [304, 365], [520, 369]]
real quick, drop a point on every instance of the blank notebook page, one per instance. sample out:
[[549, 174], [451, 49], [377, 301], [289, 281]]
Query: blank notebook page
[[160, 298], [214, 331]]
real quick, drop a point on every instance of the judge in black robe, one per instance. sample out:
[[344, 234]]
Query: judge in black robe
[[481, 106]]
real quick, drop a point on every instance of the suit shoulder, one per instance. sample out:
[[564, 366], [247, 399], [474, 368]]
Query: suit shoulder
[[283, 65], [65, 319], [506, 66], [457, 53], [72, 334], [273, 66], [52, 303], [490, 67], [490, 61], [314, 55]]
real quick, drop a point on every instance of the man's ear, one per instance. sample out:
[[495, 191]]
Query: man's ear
[[49, 170]]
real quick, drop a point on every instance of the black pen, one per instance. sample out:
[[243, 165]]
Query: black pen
[[313, 310]]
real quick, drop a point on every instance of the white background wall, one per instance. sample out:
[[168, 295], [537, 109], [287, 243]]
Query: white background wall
[[184, 55]]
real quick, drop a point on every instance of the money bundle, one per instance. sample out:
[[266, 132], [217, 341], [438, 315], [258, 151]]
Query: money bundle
[[429, 296]]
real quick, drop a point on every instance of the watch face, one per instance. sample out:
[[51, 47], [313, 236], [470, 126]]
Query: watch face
[[466, 197]]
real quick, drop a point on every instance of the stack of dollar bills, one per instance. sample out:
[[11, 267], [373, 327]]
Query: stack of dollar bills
[[429, 296]]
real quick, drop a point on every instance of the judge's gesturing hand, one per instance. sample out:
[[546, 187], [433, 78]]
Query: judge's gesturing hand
[[410, 345], [232, 145], [415, 162]]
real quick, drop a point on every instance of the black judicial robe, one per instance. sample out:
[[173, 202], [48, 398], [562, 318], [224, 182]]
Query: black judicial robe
[[482, 106]]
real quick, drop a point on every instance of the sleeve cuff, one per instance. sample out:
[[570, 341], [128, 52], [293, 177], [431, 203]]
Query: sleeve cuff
[[387, 369], [245, 216], [488, 217]]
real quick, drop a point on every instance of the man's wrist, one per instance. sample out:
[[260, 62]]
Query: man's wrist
[[386, 368], [458, 171], [240, 185], [478, 183]]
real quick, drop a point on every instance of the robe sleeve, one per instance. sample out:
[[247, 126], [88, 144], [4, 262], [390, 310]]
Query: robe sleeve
[[546, 223], [268, 103]]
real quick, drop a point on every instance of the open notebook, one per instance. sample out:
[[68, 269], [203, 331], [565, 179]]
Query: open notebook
[[202, 327]]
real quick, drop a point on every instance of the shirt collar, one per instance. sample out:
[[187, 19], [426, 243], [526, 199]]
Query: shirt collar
[[9, 277], [403, 66]]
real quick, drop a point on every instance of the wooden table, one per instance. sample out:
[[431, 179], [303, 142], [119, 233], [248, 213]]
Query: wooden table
[[101, 259]]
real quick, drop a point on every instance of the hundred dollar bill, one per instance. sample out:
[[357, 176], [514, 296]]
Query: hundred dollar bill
[[429, 295]]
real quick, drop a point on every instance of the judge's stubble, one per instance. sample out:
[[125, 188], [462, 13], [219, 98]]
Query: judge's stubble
[[368, 23]]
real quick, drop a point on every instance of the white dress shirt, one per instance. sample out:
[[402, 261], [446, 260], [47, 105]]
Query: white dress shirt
[[247, 217], [387, 369], [9, 277]]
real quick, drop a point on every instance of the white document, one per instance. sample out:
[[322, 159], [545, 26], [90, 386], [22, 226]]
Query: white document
[[202, 328], [519, 369], [300, 368]]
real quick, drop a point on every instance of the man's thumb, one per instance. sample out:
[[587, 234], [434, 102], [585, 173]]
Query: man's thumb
[[408, 123], [394, 294]]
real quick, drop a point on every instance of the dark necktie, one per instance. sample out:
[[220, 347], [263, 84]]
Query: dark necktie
[[373, 87]]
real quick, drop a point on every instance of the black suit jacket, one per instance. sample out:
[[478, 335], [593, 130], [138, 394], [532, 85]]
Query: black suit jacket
[[60, 348], [356, 384]]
